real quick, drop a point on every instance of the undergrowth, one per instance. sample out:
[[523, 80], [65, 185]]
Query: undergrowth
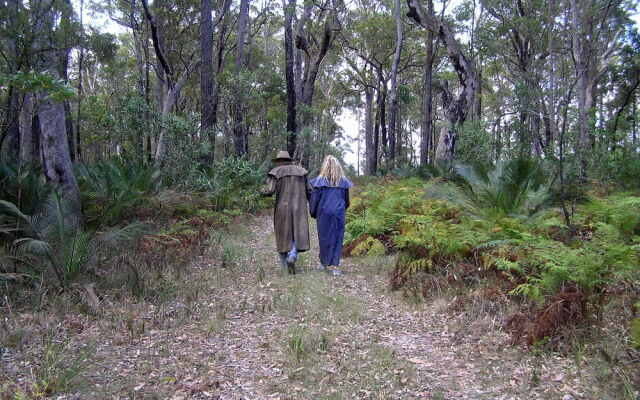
[[560, 276]]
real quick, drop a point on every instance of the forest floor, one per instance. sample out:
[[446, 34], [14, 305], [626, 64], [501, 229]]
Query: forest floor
[[251, 331]]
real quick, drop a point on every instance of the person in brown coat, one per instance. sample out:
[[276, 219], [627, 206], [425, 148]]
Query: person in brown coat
[[291, 186]]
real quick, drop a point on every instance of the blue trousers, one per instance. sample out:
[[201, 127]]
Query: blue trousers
[[293, 253]]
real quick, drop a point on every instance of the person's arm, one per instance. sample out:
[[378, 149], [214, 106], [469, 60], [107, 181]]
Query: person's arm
[[316, 195], [346, 198], [309, 190], [270, 187]]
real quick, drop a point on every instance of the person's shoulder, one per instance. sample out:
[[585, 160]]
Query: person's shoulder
[[288, 170], [345, 183], [319, 181]]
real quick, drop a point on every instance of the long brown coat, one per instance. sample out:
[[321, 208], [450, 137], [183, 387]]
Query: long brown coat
[[290, 184]]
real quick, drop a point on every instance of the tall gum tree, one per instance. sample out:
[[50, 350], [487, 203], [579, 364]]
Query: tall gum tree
[[455, 110], [314, 46], [208, 104], [51, 113]]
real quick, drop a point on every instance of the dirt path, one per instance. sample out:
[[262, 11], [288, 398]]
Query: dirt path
[[250, 331]]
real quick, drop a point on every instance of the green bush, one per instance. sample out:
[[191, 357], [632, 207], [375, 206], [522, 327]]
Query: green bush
[[53, 240], [230, 184], [539, 253], [113, 189]]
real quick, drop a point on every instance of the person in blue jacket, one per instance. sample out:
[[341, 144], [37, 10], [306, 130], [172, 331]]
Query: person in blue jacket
[[328, 204]]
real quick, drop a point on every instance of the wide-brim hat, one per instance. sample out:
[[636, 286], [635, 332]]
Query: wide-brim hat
[[283, 155]]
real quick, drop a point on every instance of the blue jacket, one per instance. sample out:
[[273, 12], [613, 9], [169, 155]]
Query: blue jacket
[[328, 206]]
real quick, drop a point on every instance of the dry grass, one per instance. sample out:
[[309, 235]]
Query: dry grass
[[233, 324]]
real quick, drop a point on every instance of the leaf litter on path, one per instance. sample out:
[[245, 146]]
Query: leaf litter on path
[[259, 333]]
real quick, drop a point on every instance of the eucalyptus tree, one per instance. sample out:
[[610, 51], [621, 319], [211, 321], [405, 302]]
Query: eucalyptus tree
[[208, 103], [289, 7], [314, 40], [426, 121], [172, 74], [239, 129], [455, 110], [51, 113], [393, 114], [596, 27], [521, 26], [10, 30], [372, 39]]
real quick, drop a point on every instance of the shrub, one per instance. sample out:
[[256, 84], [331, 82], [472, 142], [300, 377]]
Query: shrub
[[230, 184], [54, 238], [111, 190]]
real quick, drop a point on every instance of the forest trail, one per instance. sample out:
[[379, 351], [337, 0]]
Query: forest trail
[[251, 331]]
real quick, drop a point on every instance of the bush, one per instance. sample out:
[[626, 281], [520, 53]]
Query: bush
[[111, 190], [230, 184], [537, 258]]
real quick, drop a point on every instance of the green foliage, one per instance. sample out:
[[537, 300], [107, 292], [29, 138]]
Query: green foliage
[[230, 184], [539, 253], [54, 238], [621, 210], [516, 187], [370, 247], [112, 189], [24, 186], [60, 370], [32, 82], [619, 167], [475, 144]]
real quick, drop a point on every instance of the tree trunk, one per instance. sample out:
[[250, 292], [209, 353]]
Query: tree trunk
[[427, 97], [10, 125], [582, 74], [28, 154], [634, 126], [55, 147], [550, 128], [313, 60], [206, 73], [478, 100], [393, 112], [78, 147], [455, 111], [64, 55], [382, 119], [292, 133], [239, 130], [368, 133]]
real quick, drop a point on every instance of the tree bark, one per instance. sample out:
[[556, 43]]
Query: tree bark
[[393, 112], [206, 72], [64, 55], [55, 147], [371, 153], [314, 51], [10, 127], [239, 130], [292, 133], [28, 150], [455, 111], [78, 147], [550, 129], [208, 102], [427, 96]]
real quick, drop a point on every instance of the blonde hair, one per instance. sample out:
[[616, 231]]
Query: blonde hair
[[332, 170]]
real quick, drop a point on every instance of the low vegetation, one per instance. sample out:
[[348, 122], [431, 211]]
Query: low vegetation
[[497, 237]]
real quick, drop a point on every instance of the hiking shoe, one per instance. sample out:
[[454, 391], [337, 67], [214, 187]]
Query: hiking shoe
[[336, 272], [291, 265], [321, 267]]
